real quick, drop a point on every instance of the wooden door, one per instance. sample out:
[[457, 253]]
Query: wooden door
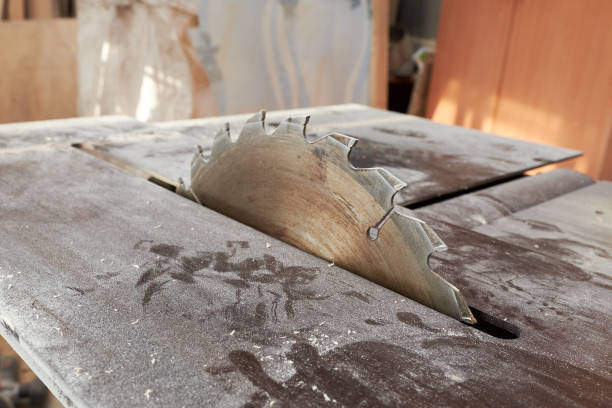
[[538, 70]]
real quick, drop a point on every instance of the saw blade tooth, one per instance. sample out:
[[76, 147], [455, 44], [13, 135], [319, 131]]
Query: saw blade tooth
[[384, 185], [181, 189], [445, 297], [295, 125], [393, 181], [429, 241], [434, 239], [259, 119], [221, 142], [197, 162], [346, 140], [254, 126], [196, 155]]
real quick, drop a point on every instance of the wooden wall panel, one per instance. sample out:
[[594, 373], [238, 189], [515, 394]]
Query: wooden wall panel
[[538, 70], [15, 9], [606, 167], [379, 56], [38, 9], [557, 83], [470, 55], [39, 69]]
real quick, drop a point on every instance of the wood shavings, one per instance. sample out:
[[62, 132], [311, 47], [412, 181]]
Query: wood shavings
[[456, 378], [147, 393], [268, 245], [135, 322]]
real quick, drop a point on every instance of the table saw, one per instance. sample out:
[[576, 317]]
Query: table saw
[[118, 288]]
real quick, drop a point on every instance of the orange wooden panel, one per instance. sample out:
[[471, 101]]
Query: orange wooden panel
[[470, 54], [606, 168], [379, 56], [41, 9], [39, 69], [557, 84], [15, 9]]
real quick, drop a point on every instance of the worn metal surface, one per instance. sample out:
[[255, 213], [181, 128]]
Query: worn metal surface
[[486, 205], [165, 151], [120, 293], [59, 133], [575, 230], [310, 196], [433, 159], [575, 227]]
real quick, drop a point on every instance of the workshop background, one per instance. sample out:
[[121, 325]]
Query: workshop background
[[537, 70]]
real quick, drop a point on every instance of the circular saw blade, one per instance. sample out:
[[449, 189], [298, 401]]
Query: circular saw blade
[[307, 193]]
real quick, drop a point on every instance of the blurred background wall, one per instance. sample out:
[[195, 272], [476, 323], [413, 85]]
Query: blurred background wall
[[285, 54], [539, 70], [135, 59], [38, 60], [174, 59]]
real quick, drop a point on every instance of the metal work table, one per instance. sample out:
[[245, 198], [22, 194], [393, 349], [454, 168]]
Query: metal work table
[[118, 292]]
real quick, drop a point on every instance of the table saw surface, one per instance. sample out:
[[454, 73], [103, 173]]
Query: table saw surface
[[119, 292]]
